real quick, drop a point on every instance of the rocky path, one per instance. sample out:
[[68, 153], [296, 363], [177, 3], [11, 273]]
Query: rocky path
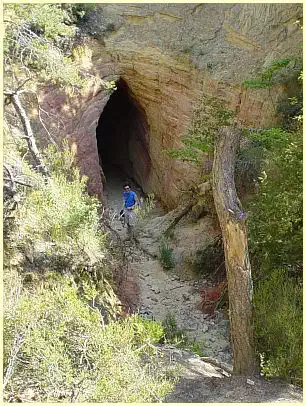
[[199, 381], [162, 293]]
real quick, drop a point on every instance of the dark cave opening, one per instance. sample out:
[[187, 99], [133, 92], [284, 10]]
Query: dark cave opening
[[123, 139]]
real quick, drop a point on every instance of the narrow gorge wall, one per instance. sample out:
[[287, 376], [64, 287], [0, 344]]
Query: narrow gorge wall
[[166, 57]]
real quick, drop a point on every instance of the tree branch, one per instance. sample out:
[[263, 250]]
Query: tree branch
[[19, 182], [18, 341], [29, 133]]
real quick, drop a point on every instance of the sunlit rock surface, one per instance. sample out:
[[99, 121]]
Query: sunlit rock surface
[[168, 55]]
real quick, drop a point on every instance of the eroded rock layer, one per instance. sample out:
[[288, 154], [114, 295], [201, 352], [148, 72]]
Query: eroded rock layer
[[168, 56]]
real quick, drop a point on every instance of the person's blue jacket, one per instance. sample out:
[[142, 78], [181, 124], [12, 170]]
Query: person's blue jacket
[[129, 199]]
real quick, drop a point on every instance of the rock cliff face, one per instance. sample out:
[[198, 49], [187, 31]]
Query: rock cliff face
[[167, 56]]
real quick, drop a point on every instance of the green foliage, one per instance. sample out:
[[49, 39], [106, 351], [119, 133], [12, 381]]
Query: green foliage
[[275, 245], [146, 330], [60, 161], [275, 226], [253, 157], [196, 348], [173, 334], [187, 153], [143, 212], [66, 350], [248, 166], [166, 255], [199, 140], [291, 110], [35, 40], [278, 325], [79, 11], [57, 228], [60, 219], [47, 19], [40, 43], [267, 77]]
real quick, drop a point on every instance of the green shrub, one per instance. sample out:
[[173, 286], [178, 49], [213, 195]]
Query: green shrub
[[66, 350], [197, 348], [278, 325], [146, 329], [143, 212], [275, 246], [176, 336], [291, 108], [173, 334], [166, 255], [35, 40], [58, 222], [275, 224], [209, 115], [269, 76]]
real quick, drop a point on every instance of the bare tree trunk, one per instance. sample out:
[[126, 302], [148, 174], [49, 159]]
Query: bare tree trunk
[[234, 232], [14, 97]]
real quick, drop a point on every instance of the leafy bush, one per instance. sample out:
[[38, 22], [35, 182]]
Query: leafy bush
[[41, 43], [275, 225], [290, 109], [248, 166], [209, 115], [67, 353], [172, 334], [268, 75], [166, 255], [176, 336], [79, 11], [146, 329], [278, 325], [144, 211], [34, 34], [59, 220], [275, 245]]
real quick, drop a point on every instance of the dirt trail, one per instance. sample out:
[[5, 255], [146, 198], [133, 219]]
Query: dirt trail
[[162, 293], [165, 293]]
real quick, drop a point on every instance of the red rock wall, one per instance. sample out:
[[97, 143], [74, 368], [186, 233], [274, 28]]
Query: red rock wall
[[76, 119], [168, 90]]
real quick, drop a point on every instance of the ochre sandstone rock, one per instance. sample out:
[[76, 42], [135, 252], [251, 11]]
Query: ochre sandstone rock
[[169, 55]]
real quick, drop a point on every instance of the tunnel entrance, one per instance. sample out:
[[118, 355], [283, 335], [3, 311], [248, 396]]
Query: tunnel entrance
[[123, 140]]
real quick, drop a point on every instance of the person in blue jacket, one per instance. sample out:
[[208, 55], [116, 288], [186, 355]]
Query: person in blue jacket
[[130, 202]]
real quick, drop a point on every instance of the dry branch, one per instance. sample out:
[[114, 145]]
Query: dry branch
[[14, 98], [18, 341]]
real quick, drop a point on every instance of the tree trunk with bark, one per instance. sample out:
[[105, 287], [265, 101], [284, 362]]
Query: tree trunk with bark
[[232, 220]]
